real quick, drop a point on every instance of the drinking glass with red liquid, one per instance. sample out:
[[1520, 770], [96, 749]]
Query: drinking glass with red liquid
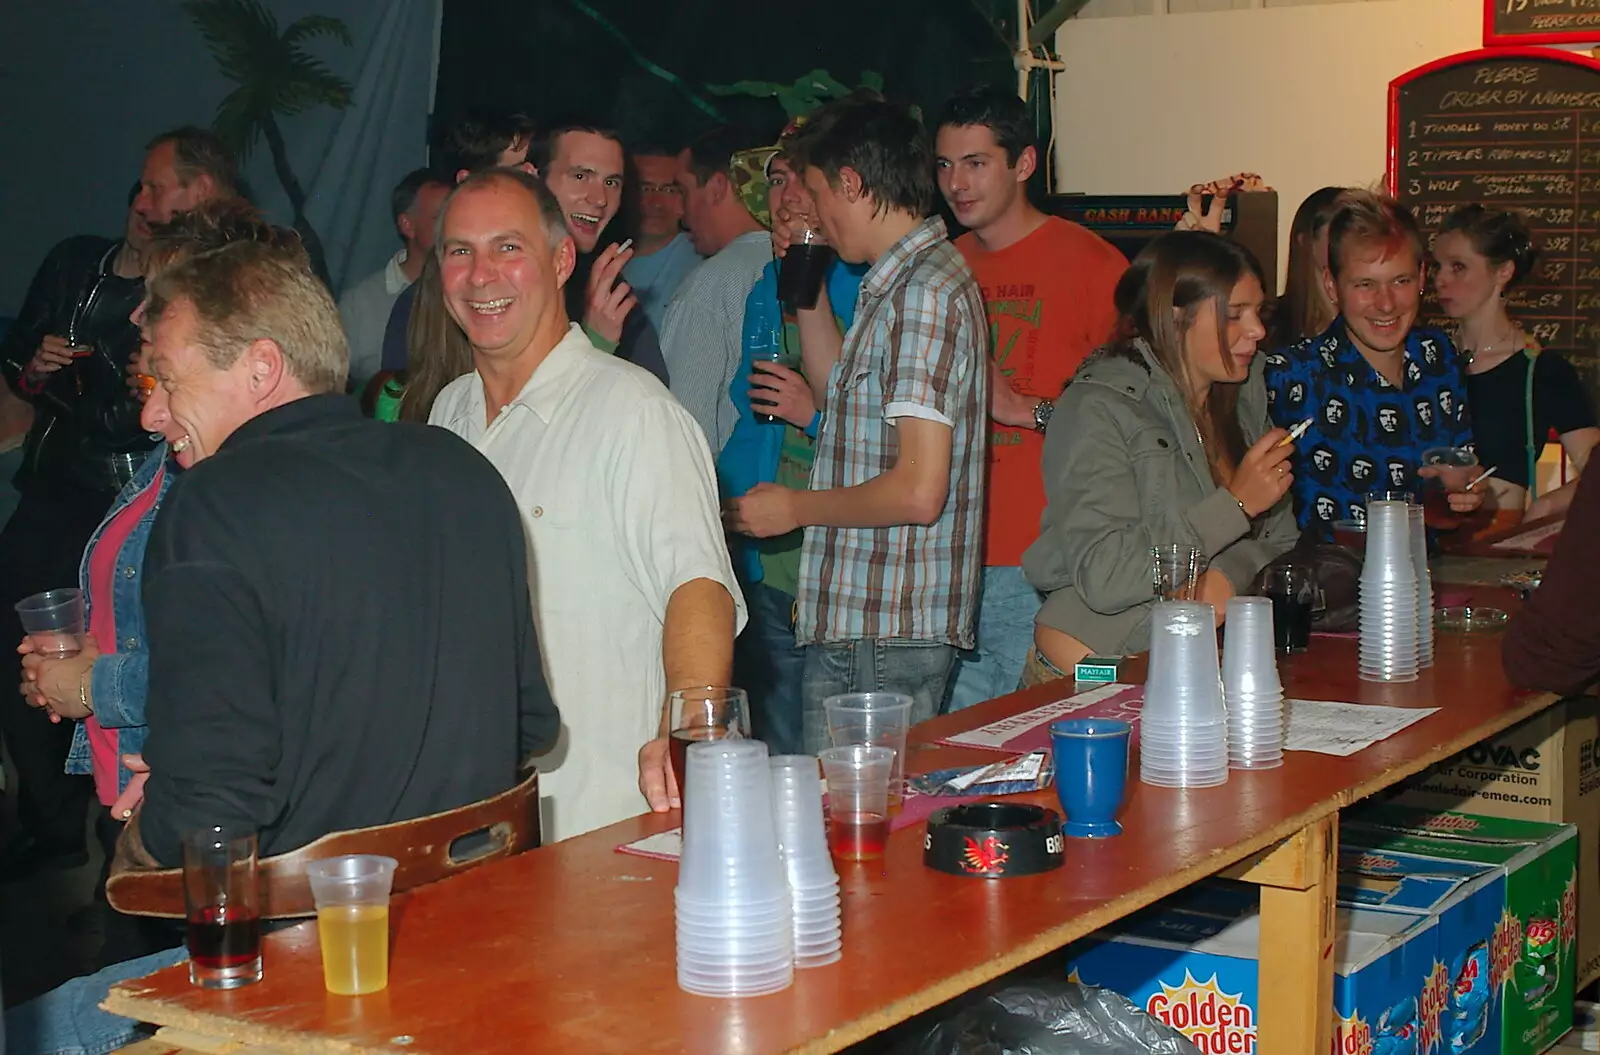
[[709, 713], [224, 920], [1445, 471], [858, 800]]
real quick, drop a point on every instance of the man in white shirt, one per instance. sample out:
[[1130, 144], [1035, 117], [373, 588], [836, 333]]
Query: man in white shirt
[[701, 339], [364, 309], [633, 590]]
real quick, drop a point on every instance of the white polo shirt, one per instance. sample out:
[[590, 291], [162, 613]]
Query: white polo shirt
[[617, 491]]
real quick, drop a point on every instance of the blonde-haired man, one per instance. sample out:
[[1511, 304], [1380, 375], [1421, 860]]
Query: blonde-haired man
[[316, 583]]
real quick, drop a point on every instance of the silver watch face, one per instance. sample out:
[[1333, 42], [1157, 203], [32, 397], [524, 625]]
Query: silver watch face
[[1042, 412]]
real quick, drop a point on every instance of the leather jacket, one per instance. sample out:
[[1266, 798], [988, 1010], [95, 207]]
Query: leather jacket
[[86, 433]]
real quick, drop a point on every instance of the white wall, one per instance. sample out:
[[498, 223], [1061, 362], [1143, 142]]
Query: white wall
[[1150, 104]]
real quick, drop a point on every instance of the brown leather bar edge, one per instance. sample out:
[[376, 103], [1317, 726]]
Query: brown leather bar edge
[[508, 821]]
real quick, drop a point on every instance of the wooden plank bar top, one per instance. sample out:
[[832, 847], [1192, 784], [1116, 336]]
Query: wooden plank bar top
[[570, 948]]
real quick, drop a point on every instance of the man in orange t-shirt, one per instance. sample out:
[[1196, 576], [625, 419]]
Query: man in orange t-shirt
[[1047, 284]]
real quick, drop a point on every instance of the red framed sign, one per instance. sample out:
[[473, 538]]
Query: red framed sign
[[1509, 23], [1512, 128]]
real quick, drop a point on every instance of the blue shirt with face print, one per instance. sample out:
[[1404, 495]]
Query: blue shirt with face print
[[1366, 435]]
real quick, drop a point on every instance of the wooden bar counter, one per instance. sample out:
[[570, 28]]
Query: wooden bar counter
[[570, 948]]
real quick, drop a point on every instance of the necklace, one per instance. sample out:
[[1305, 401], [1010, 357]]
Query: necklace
[[1471, 354]]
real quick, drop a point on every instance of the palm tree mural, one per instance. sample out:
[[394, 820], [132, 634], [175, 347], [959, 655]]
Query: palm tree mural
[[276, 78]]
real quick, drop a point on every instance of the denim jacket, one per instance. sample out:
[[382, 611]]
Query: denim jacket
[[120, 679]]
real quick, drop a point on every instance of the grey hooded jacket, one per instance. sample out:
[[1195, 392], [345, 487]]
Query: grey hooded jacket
[[1124, 471]]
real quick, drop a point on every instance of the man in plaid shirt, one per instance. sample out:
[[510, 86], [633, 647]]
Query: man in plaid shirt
[[894, 518]]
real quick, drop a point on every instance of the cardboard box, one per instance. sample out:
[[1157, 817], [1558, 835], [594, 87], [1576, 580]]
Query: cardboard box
[[1545, 769], [1458, 1007], [1198, 974], [1533, 955]]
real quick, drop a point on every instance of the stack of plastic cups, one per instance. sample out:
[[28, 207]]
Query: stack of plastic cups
[[1419, 564], [1251, 690], [1183, 734], [803, 844], [1388, 596], [735, 936]]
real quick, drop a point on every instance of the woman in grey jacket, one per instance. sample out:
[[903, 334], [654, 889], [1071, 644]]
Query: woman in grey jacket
[[1161, 437]]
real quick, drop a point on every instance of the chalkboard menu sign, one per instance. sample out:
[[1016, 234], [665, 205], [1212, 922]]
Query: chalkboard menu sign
[[1541, 22], [1512, 128]]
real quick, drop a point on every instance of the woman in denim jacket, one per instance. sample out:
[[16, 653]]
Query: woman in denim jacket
[[105, 691], [1161, 437]]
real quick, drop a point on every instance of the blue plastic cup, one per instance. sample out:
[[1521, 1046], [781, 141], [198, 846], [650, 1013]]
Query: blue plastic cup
[[1091, 774]]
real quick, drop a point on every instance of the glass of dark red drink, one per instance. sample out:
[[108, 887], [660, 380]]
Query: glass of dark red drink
[[219, 886], [804, 267], [858, 800], [1445, 471], [710, 713]]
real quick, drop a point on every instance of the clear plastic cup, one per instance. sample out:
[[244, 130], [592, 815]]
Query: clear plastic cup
[[1175, 571], [802, 833], [1388, 557], [1419, 563], [1249, 661], [858, 800], [352, 897], [1179, 779], [1184, 683], [730, 842], [53, 621], [877, 719]]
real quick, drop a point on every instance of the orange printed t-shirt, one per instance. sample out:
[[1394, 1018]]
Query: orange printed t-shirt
[[1049, 299]]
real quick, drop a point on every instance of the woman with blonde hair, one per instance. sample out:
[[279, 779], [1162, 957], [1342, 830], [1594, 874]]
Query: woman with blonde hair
[[1161, 438]]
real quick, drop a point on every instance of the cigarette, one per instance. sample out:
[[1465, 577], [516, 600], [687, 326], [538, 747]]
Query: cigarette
[[626, 244], [147, 382], [1483, 476], [1295, 433]]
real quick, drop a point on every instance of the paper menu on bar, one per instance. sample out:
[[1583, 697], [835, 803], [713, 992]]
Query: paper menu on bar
[[1330, 728], [1030, 730]]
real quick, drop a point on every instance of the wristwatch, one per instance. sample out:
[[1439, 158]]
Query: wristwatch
[[1041, 414]]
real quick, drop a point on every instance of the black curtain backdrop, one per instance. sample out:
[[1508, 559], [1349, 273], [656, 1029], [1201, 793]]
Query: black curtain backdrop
[[552, 57]]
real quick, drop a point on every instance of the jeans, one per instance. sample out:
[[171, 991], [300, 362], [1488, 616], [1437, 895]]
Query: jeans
[[920, 669], [66, 1020], [769, 665], [1005, 637]]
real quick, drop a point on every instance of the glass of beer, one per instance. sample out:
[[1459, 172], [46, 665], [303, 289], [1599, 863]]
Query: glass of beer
[[219, 893], [710, 713], [804, 267], [352, 896]]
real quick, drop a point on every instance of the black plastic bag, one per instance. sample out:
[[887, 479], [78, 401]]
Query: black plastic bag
[[1051, 1018]]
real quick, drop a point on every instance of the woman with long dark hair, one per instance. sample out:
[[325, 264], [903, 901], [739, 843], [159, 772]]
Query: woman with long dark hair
[[1518, 391], [1161, 438]]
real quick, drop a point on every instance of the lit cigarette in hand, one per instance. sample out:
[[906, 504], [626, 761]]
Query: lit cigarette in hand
[[627, 243], [1483, 476], [1295, 433]]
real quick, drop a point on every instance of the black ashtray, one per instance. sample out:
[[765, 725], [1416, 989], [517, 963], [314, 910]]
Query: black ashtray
[[992, 840]]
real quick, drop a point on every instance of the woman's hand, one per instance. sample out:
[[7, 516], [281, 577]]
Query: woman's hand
[[784, 393], [53, 683], [1215, 589], [1263, 476]]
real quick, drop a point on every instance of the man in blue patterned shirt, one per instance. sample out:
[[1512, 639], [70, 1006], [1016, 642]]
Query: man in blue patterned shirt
[[894, 517], [1378, 390]]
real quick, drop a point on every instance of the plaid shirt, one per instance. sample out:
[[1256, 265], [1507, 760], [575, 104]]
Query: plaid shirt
[[918, 348]]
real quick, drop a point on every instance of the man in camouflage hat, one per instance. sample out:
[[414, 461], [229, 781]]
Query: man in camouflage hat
[[701, 336]]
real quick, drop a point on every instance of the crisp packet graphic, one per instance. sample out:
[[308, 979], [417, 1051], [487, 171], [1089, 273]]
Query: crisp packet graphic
[[1467, 1027], [1471, 989], [1539, 969], [1397, 1031]]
